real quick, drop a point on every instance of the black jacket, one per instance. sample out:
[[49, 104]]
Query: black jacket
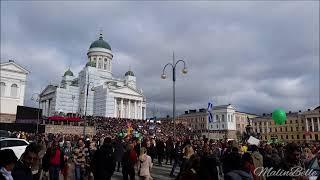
[[103, 162], [21, 172]]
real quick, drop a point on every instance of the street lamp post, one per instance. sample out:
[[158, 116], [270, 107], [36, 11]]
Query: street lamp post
[[86, 106], [163, 76], [37, 99]]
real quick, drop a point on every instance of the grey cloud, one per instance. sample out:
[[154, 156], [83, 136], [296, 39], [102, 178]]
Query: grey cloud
[[256, 55]]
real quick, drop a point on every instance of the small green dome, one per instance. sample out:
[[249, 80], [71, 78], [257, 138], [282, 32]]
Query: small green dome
[[68, 73], [129, 73], [100, 43]]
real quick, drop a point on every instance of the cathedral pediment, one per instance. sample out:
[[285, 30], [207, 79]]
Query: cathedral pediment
[[127, 90], [49, 89], [13, 67]]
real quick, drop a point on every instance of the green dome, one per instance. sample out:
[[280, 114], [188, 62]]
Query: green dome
[[68, 73], [129, 73], [100, 43]]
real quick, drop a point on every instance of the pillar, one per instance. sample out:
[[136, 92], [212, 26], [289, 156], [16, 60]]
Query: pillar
[[135, 110], [140, 110], [115, 107], [307, 126], [312, 124], [318, 122], [121, 108], [129, 108]]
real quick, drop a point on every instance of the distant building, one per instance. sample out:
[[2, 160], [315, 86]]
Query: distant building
[[242, 120], [107, 96], [299, 126], [12, 89], [223, 124]]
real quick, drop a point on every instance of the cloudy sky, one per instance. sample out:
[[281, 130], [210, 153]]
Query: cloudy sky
[[255, 55]]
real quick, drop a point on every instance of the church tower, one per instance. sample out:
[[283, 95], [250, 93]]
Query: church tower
[[100, 56], [130, 79]]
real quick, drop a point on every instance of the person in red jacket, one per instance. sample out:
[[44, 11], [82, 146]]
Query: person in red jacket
[[54, 160]]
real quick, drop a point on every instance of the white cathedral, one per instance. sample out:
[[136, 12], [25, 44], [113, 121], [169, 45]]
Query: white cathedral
[[95, 91]]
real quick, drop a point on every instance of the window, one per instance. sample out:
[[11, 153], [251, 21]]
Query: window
[[287, 137], [222, 117], [99, 64], [217, 126], [291, 129], [280, 129], [275, 130], [304, 137], [2, 88], [217, 118], [281, 137], [297, 129], [302, 128], [296, 120], [298, 137], [264, 123], [270, 129], [292, 137], [222, 125], [105, 65], [14, 90]]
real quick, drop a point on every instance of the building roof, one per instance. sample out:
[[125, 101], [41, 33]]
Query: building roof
[[68, 73], [129, 73], [100, 43], [15, 64]]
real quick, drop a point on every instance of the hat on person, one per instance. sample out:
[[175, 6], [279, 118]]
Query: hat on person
[[7, 157]]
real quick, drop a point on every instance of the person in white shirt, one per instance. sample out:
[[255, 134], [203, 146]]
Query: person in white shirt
[[144, 165]]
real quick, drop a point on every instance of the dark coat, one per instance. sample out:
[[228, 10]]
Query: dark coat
[[104, 162], [160, 148], [119, 151], [21, 172], [209, 167]]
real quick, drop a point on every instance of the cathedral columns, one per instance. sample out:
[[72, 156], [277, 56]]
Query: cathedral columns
[[307, 126], [312, 124], [115, 107], [121, 108], [135, 110], [318, 121], [129, 108]]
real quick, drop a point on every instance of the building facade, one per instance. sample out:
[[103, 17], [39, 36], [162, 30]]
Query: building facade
[[299, 127], [242, 120], [96, 91], [223, 124], [12, 89]]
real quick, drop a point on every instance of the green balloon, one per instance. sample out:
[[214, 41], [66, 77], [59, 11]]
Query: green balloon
[[279, 116]]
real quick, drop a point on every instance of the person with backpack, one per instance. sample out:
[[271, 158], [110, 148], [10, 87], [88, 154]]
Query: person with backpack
[[103, 161]]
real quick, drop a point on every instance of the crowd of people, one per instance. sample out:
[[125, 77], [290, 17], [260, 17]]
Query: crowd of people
[[56, 156]]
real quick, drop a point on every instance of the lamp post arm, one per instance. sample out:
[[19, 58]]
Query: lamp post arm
[[164, 68], [184, 63]]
